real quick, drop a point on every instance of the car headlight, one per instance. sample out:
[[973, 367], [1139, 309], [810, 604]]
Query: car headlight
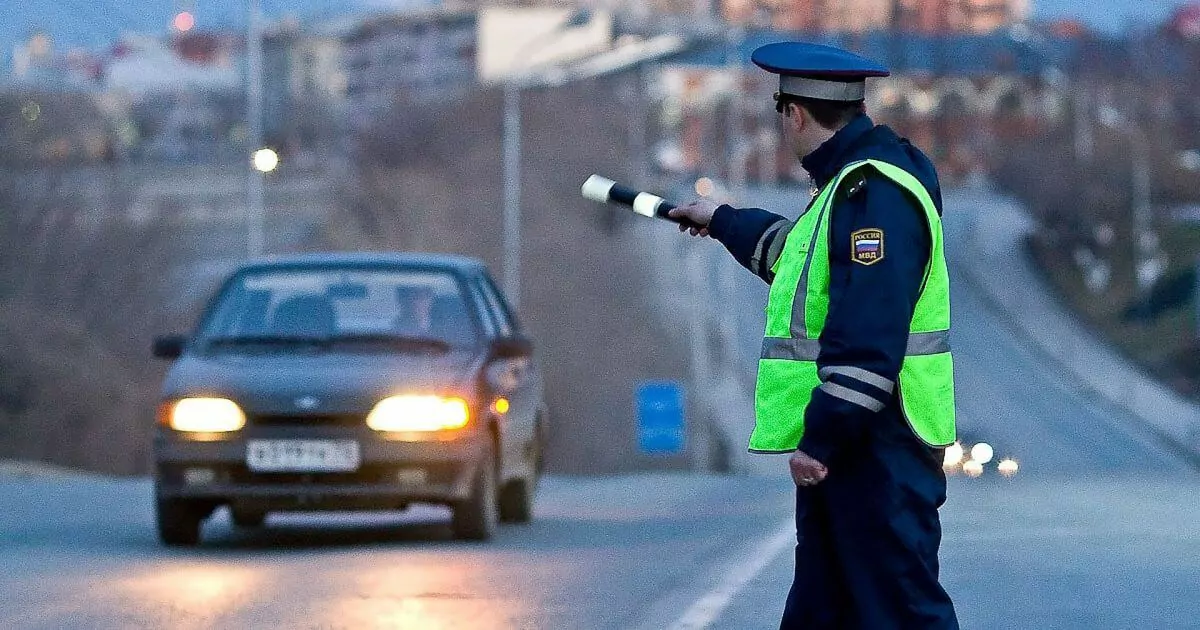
[[205, 415], [408, 413]]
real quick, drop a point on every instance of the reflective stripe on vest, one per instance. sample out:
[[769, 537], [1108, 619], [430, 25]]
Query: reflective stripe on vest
[[919, 344], [796, 312]]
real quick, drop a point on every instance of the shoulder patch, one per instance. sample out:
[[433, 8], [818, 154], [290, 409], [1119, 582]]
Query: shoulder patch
[[866, 246]]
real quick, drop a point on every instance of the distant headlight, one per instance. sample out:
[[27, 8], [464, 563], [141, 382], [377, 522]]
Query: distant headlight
[[953, 456], [973, 468], [982, 452], [408, 413], [206, 415], [1008, 467]]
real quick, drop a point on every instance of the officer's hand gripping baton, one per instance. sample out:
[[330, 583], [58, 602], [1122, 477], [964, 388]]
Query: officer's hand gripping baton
[[605, 190]]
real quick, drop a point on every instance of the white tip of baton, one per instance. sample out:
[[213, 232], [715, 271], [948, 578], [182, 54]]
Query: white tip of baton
[[646, 204], [596, 188]]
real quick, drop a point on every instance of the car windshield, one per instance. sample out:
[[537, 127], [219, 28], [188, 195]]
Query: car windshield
[[402, 309]]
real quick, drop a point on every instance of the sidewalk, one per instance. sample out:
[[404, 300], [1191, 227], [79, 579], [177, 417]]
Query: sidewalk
[[985, 240]]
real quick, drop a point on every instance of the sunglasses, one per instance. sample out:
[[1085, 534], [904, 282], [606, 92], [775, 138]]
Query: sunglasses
[[781, 102]]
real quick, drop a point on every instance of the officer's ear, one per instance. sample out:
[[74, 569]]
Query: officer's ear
[[795, 116]]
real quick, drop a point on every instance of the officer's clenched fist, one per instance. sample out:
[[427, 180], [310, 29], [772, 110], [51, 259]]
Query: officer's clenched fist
[[806, 471], [699, 212]]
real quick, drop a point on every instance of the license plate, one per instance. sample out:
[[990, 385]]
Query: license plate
[[302, 455], [412, 476]]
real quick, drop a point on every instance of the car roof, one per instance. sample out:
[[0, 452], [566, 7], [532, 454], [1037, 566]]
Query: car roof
[[407, 260]]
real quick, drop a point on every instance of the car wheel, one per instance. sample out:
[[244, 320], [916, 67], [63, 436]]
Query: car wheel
[[539, 452], [516, 498], [516, 502], [475, 518], [248, 519], [179, 521]]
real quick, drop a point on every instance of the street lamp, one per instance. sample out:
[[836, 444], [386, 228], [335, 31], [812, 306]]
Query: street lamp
[[265, 160], [255, 213], [184, 21], [512, 157]]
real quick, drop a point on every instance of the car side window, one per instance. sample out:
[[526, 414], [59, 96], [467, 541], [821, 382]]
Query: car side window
[[498, 307], [482, 307]]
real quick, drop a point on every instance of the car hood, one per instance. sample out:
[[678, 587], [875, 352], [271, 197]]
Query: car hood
[[320, 383]]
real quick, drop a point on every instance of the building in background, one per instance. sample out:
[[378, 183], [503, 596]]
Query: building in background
[[956, 16], [33, 57], [191, 63], [1185, 22], [861, 16], [413, 56], [183, 96], [37, 64], [304, 84], [953, 94]]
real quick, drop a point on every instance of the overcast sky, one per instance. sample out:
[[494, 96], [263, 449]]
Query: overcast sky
[[1107, 15]]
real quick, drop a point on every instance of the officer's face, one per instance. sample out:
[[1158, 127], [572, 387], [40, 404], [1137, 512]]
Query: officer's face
[[797, 123]]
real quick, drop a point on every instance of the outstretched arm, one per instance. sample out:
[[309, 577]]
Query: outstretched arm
[[754, 237]]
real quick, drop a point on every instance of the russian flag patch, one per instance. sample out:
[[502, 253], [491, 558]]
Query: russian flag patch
[[867, 246]]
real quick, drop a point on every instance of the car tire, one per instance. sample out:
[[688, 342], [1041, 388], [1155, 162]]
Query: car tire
[[539, 453], [516, 498], [475, 517], [179, 521], [516, 502], [247, 519]]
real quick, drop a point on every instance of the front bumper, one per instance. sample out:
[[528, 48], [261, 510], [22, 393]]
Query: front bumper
[[391, 473]]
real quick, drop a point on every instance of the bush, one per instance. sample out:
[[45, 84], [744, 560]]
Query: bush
[[76, 302]]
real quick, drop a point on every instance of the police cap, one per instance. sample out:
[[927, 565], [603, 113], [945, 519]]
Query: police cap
[[816, 71]]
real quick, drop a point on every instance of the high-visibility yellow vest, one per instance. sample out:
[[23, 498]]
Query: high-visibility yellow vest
[[796, 312]]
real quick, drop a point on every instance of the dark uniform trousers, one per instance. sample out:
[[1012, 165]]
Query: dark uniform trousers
[[867, 538]]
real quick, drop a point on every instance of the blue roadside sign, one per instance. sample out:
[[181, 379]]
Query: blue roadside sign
[[660, 417]]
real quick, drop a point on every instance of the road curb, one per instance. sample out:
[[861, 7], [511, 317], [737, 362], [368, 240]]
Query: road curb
[[23, 469], [1009, 280]]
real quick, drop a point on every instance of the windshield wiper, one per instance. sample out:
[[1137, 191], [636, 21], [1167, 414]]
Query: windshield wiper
[[267, 340], [401, 342]]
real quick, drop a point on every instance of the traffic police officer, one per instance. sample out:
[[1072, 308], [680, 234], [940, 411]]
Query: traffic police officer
[[855, 378]]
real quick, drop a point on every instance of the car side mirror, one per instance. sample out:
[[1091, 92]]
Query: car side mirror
[[169, 346], [513, 347]]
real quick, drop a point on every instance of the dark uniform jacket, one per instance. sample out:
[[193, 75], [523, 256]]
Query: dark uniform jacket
[[871, 306]]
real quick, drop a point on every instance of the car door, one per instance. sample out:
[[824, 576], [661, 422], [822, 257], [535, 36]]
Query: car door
[[525, 396]]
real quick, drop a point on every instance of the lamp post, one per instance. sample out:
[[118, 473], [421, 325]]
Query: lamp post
[[1147, 261], [512, 192], [511, 263], [255, 213]]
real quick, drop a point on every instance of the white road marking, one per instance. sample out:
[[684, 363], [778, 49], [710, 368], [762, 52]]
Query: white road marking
[[704, 611]]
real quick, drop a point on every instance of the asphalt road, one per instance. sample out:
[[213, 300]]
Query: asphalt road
[[1100, 529], [81, 553]]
